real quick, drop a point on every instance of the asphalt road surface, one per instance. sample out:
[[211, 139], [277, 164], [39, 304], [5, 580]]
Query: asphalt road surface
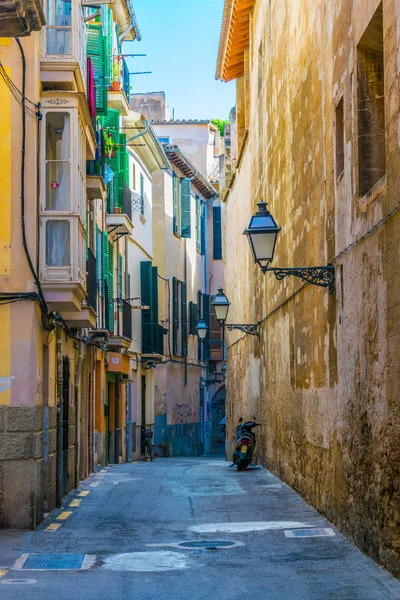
[[133, 531]]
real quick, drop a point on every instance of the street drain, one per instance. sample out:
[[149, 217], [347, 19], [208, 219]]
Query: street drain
[[302, 533], [54, 561], [207, 545]]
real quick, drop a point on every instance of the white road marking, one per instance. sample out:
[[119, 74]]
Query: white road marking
[[94, 484], [249, 526], [147, 561], [273, 486], [18, 581], [88, 561]]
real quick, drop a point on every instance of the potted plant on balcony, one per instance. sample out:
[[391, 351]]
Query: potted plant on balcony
[[110, 147], [116, 83]]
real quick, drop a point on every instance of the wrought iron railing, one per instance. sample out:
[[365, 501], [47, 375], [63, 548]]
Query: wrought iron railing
[[126, 320], [91, 280]]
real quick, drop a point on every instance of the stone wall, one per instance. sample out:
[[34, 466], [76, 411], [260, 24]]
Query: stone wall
[[324, 375]]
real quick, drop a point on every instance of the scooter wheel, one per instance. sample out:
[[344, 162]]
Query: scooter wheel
[[242, 464]]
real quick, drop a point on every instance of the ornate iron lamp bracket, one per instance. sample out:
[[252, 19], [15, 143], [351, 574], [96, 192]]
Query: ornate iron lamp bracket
[[248, 329], [322, 276]]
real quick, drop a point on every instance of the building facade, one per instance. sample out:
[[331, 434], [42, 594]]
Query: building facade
[[317, 138], [63, 274]]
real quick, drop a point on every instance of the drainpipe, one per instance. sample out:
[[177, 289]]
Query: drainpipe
[[138, 135], [59, 458], [128, 388], [78, 398]]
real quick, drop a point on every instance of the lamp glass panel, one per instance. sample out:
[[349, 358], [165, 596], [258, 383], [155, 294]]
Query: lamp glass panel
[[264, 245], [202, 333], [221, 311]]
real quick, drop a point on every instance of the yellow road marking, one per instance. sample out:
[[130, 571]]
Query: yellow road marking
[[75, 502], [86, 493], [53, 527], [3, 571], [64, 515]]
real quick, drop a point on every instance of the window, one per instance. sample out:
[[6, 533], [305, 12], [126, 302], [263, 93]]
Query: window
[[371, 105], [152, 332], [175, 202], [339, 150], [184, 319], [142, 197], [176, 312], [164, 140], [198, 225], [193, 318], [202, 227], [59, 17], [57, 161], [58, 243], [185, 198], [217, 233]]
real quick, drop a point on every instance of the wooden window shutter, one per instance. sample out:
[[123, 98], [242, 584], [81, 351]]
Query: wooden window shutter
[[147, 300], [202, 227], [110, 287], [96, 50], [175, 316], [198, 316], [198, 225], [185, 208], [155, 329], [217, 233], [175, 203], [184, 319]]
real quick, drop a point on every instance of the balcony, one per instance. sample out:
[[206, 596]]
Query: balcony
[[63, 51], [122, 337], [19, 18], [120, 221]]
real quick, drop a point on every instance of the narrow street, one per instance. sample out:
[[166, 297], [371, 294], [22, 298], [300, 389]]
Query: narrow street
[[130, 519]]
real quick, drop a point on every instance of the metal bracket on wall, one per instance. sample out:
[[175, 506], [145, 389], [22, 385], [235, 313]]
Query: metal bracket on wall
[[251, 329], [322, 276]]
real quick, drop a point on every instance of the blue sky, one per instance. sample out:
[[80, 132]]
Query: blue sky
[[180, 38]]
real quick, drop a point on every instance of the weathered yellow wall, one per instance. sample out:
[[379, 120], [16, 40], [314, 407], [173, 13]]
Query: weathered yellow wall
[[324, 376]]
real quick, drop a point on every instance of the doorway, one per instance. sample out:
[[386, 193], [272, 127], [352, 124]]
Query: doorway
[[218, 422], [65, 422]]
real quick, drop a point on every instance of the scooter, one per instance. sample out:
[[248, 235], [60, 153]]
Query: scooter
[[245, 445]]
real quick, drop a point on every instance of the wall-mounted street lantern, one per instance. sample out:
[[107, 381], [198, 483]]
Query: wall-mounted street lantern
[[221, 306], [262, 234]]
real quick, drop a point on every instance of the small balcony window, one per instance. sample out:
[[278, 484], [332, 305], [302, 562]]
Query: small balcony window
[[57, 161], [59, 20], [58, 243]]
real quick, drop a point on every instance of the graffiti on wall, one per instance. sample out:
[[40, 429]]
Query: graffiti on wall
[[5, 383], [218, 418], [182, 413]]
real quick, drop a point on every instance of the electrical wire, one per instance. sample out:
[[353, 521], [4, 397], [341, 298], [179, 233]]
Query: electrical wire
[[19, 96]]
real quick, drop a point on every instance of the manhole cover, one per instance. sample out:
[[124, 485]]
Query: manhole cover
[[302, 533], [207, 544], [54, 561]]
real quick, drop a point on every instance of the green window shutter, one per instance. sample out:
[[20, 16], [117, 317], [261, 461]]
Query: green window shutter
[[121, 294], [185, 208], [202, 227], [107, 24], [175, 317], [87, 235], [98, 263], [217, 233], [175, 203], [198, 225], [184, 319], [123, 167], [147, 300], [191, 318], [206, 317], [104, 269], [110, 287], [96, 50], [155, 329]]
